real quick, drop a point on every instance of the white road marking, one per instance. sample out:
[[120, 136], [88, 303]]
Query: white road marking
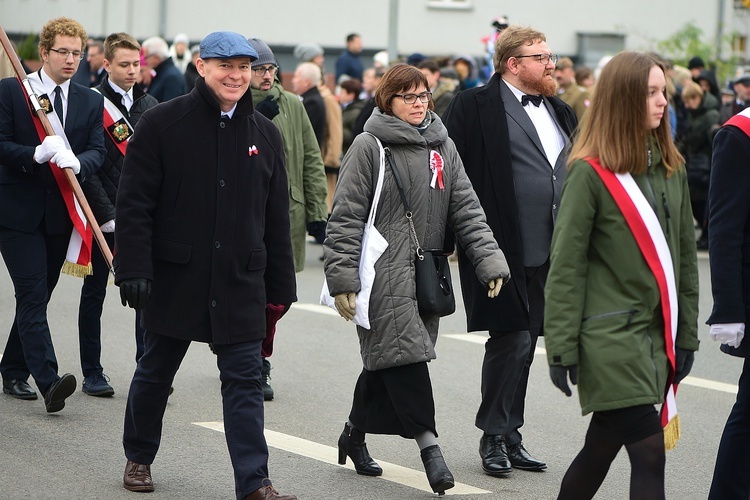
[[694, 381], [328, 454]]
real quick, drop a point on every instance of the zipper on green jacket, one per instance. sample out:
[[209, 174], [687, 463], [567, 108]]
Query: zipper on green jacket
[[630, 314]]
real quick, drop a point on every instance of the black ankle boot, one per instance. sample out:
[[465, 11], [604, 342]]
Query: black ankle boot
[[438, 475], [352, 444]]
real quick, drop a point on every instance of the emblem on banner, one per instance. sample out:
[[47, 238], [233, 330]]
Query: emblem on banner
[[120, 131], [44, 103]]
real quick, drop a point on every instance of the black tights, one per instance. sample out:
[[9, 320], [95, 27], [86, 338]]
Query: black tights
[[590, 467]]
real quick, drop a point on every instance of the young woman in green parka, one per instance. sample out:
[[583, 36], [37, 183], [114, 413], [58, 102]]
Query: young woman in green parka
[[604, 318]]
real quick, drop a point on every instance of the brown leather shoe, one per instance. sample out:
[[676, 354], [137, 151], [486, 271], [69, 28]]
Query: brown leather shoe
[[137, 477], [268, 492]]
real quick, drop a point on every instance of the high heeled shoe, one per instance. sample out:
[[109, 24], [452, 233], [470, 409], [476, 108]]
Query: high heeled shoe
[[438, 474], [352, 445]]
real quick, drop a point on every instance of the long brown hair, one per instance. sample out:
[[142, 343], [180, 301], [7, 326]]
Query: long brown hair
[[613, 128]]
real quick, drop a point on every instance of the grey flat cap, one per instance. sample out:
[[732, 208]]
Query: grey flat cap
[[744, 80], [226, 45]]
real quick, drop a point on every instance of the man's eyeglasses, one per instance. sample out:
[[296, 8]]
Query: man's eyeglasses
[[424, 97], [542, 58], [261, 70], [64, 53]]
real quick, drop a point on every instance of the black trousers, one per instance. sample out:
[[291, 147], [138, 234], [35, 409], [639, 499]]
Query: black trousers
[[93, 292], [731, 481], [242, 397], [507, 362], [34, 261]]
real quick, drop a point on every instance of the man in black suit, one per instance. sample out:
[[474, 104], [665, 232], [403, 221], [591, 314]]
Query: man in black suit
[[513, 138], [730, 285], [206, 254], [35, 225]]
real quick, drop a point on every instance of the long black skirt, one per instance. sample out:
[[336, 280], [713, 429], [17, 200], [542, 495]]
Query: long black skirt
[[396, 401]]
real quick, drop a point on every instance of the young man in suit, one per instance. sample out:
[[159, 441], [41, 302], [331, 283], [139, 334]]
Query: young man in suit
[[124, 103], [513, 137], [35, 224]]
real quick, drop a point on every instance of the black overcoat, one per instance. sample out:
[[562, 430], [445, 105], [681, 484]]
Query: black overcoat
[[476, 122], [203, 211]]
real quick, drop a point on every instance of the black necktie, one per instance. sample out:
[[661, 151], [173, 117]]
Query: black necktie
[[58, 104], [536, 100]]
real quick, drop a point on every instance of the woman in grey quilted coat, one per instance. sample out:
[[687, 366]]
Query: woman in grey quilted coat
[[393, 394]]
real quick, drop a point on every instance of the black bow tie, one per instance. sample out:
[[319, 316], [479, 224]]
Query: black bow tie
[[536, 100]]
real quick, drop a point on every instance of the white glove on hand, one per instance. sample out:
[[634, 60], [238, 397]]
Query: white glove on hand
[[108, 227], [345, 304], [730, 334], [67, 159], [50, 146]]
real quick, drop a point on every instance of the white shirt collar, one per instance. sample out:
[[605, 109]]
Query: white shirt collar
[[49, 85], [513, 89], [120, 91], [230, 113]]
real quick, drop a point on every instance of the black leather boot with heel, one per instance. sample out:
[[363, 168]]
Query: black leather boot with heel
[[352, 445], [438, 474]]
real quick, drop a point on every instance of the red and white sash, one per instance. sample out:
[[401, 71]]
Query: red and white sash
[[741, 120], [78, 256], [116, 126], [648, 234]]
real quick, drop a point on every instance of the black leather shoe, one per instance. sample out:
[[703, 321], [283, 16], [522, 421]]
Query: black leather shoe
[[54, 399], [520, 459], [19, 389], [352, 444], [438, 474], [494, 453]]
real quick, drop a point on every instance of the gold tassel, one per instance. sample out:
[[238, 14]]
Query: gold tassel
[[672, 433], [77, 270]]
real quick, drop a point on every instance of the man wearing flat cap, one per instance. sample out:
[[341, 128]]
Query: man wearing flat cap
[[741, 100], [203, 250]]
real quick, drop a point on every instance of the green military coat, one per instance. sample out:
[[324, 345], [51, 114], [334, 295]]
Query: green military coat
[[603, 310]]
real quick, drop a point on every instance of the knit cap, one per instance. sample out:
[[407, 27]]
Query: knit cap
[[265, 54], [306, 52]]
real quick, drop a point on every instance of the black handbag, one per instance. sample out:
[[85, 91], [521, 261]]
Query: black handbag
[[432, 272]]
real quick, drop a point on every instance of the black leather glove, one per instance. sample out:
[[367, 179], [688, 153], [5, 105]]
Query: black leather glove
[[683, 363], [317, 229], [135, 292], [559, 375], [268, 107]]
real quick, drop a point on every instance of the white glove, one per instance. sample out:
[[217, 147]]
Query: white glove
[[67, 159], [108, 227], [730, 334], [50, 146]]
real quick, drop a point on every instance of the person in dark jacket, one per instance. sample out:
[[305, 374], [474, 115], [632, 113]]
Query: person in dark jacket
[[169, 81], [124, 102], [729, 254], [349, 63], [351, 106], [191, 72], [206, 254], [703, 121], [305, 84], [513, 137]]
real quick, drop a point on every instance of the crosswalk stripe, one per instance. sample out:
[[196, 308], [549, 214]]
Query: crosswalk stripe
[[328, 454]]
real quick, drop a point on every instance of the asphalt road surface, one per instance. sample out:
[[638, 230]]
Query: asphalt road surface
[[77, 453]]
